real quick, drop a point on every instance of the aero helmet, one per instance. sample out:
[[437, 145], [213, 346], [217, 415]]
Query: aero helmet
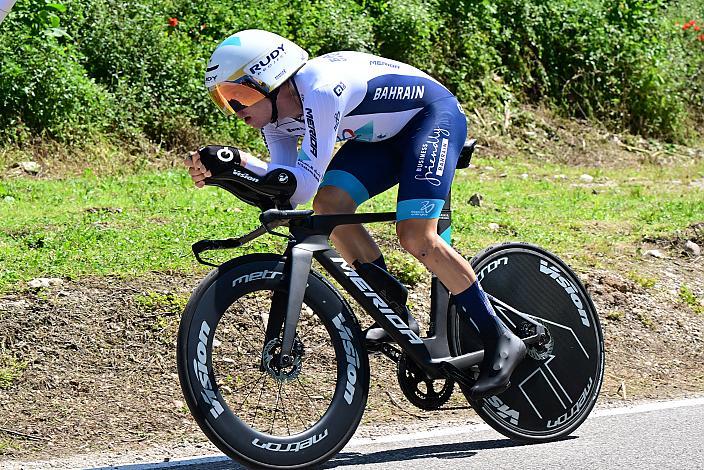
[[249, 66]]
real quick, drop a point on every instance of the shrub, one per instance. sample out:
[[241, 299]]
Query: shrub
[[133, 69], [43, 87]]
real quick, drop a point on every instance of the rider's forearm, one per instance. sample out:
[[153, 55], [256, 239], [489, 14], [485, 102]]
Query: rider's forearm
[[253, 164]]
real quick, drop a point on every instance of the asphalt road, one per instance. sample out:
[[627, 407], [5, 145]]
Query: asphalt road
[[652, 436]]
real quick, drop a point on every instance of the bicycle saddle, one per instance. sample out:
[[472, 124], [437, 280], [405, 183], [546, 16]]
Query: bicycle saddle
[[466, 153]]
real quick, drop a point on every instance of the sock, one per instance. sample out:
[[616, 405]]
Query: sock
[[474, 301], [380, 262]]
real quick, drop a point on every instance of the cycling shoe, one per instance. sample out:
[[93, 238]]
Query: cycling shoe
[[500, 360]]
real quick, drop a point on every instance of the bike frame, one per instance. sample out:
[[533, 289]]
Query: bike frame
[[308, 241]]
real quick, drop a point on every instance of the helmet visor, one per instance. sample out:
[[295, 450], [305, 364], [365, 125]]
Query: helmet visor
[[232, 97]]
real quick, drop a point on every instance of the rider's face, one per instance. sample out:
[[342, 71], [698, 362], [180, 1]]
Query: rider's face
[[258, 115]]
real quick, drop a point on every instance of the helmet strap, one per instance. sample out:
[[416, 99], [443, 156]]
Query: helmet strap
[[274, 110]]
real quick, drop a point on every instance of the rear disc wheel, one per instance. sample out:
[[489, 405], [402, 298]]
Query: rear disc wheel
[[555, 387]]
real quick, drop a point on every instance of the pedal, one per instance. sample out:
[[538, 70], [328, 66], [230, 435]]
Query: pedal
[[453, 373], [393, 353]]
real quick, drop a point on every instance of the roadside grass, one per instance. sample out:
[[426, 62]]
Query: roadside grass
[[10, 370], [127, 225], [689, 298]]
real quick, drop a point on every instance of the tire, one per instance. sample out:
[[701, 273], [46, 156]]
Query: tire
[[555, 388], [253, 417]]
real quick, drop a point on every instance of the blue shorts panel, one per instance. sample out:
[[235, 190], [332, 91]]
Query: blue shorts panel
[[421, 159], [347, 181]]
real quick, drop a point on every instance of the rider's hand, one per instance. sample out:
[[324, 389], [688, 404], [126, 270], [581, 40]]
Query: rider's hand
[[211, 160], [196, 169]]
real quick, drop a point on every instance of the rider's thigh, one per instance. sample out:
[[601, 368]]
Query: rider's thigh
[[333, 200], [363, 169], [430, 151]]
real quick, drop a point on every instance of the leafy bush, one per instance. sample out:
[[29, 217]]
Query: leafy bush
[[87, 67], [43, 88]]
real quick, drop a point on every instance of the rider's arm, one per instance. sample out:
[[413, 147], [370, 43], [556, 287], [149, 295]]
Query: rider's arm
[[281, 146], [309, 164], [319, 110]]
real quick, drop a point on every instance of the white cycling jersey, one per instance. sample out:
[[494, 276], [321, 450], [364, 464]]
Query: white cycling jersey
[[345, 95]]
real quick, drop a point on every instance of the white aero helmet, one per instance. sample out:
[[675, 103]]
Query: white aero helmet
[[249, 66]]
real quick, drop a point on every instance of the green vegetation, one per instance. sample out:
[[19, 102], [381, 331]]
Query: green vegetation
[[133, 224], [643, 281], [10, 370], [615, 315], [73, 70], [155, 302], [687, 296], [404, 267], [646, 321]]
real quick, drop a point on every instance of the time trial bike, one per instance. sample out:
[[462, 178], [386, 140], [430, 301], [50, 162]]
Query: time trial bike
[[274, 366]]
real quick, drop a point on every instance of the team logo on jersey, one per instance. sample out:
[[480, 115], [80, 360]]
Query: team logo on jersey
[[399, 93], [364, 133]]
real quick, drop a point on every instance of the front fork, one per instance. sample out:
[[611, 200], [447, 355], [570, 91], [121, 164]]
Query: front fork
[[286, 306]]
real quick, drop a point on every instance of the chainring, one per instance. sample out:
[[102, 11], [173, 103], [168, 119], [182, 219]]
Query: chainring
[[424, 393]]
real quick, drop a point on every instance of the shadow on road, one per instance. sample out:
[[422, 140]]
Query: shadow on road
[[439, 451], [344, 459]]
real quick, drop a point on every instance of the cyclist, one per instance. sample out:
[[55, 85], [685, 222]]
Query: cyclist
[[400, 126]]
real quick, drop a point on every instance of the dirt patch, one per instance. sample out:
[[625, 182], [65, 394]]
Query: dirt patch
[[540, 134], [99, 358]]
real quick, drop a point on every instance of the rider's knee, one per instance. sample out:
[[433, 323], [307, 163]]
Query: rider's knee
[[419, 243], [333, 200]]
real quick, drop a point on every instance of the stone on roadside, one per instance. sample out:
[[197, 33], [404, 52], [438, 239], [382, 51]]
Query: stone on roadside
[[494, 227], [560, 177], [585, 178], [30, 167], [524, 176], [655, 254], [8, 199], [692, 248], [476, 200], [43, 282]]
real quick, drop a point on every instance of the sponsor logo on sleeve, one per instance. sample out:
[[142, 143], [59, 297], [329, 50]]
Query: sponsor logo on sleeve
[[339, 88], [384, 64], [431, 161], [334, 57], [310, 122], [337, 120]]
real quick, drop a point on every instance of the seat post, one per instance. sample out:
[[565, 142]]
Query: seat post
[[445, 222]]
